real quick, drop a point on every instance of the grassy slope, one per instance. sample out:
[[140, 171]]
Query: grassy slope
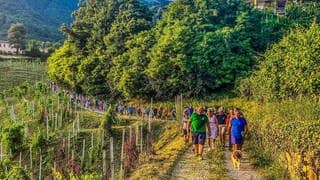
[[168, 146]]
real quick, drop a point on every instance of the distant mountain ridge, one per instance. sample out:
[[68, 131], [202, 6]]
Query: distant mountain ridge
[[43, 18]]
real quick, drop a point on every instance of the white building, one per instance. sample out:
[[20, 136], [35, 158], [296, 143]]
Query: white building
[[6, 48]]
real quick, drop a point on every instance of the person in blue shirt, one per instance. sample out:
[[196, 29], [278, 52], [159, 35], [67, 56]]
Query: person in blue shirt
[[130, 110], [237, 126], [190, 110]]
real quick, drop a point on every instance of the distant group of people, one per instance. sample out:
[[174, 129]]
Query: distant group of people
[[209, 123], [144, 112], [81, 100]]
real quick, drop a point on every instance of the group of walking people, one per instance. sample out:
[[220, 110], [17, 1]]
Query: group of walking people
[[128, 109], [211, 124]]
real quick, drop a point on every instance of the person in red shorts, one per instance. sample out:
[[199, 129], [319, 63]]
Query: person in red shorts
[[229, 117]]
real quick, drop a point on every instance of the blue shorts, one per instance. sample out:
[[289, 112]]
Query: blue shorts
[[199, 138], [236, 140]]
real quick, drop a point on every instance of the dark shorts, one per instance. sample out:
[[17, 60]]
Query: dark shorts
[[199, 138], [236, 140], [185, 132]]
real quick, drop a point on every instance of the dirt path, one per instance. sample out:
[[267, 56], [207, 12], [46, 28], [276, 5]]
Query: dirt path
[[190, 167], [246, 171]]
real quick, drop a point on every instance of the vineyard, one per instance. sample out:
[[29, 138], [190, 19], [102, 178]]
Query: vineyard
[[16, 72], [44, 134]]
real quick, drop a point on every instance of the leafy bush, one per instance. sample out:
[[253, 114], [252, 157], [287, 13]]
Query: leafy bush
[[290, 69], [108, 120], [13, 137], [17, 173]]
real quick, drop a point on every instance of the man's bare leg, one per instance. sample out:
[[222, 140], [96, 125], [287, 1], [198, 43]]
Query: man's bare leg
[[196, 149], [201, 150]]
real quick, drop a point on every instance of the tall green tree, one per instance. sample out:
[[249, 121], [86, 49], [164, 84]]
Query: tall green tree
[[16, 36], [206, 46], [129, 68], [132, 18]]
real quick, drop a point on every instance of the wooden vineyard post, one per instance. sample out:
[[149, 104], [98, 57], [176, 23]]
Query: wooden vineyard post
[[1, 152], [104, 166], [58, 103], [130, 134], [111, 158], [55, 168], [104, 158], [52, 120], [31, 158], [20, 159], [91, 139], [151, 114], [56, 122], [68, 146], [61, 120], [47, 127], [40, 166], [149, 129], [141, 138], [137, 135], [26, 129], [78, 122], [122, 155], [102, 139], [73, 129], [83, 152], [33, 111]]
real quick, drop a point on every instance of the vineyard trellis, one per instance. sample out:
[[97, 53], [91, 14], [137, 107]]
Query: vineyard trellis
[[61, 122]]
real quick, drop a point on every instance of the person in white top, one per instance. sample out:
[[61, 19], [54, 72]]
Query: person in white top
[[213, 122]]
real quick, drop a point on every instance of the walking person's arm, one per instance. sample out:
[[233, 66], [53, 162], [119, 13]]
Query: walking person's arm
[[229, 127], [209, 130]]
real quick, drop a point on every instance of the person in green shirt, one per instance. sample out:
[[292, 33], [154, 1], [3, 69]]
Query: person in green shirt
[[199, 123]]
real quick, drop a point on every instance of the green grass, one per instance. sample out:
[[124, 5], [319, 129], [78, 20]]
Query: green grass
[[168, 146]]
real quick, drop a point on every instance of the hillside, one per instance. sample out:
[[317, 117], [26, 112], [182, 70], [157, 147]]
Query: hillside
[[43, 18]]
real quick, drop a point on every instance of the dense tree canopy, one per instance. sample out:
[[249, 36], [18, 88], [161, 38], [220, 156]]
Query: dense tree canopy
[[290, 69], [197, 47]]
